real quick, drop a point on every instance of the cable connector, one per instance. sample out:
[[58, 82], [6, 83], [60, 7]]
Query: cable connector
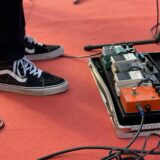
[[140, 109]]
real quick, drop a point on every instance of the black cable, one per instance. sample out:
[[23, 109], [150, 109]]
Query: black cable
[[145, 80], [95, 148], [141, 125], [156, 27], [114, 155], [152, 150], [157, 6], [132, 153], [122, 153], [145, 144], [87, 56]]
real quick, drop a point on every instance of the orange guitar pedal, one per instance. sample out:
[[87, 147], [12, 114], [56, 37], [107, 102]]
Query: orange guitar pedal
[[145, 95]]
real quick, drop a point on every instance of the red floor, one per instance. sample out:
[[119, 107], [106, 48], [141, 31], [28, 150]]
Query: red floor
[[36, 126]]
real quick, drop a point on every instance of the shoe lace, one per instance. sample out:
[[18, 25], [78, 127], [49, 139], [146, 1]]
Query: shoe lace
[[24, 66], [31, 40]]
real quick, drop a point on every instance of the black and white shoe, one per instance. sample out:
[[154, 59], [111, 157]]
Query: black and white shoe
[[38, 51], [24, 77]]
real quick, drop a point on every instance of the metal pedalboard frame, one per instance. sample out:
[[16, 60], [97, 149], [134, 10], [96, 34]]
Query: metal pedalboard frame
[[122, 131]]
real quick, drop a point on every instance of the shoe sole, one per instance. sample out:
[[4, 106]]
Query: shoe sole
[[53, 54], [37, 91]]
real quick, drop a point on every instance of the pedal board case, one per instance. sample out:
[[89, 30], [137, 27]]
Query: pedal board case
[[125, 124]]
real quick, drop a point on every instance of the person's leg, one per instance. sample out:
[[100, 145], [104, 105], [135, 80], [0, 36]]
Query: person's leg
[[12, 30], [17, 73], [39, 51]]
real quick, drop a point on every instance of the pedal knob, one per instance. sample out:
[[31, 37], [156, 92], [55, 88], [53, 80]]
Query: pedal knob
[[134, 91]]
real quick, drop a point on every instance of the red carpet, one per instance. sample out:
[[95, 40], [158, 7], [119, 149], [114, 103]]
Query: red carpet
[[36, 126]]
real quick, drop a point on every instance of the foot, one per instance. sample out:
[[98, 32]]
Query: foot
[[24, 77], [38, 51]]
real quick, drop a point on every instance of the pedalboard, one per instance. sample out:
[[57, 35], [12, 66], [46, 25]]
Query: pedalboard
[[126, 78], [133, 77]]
